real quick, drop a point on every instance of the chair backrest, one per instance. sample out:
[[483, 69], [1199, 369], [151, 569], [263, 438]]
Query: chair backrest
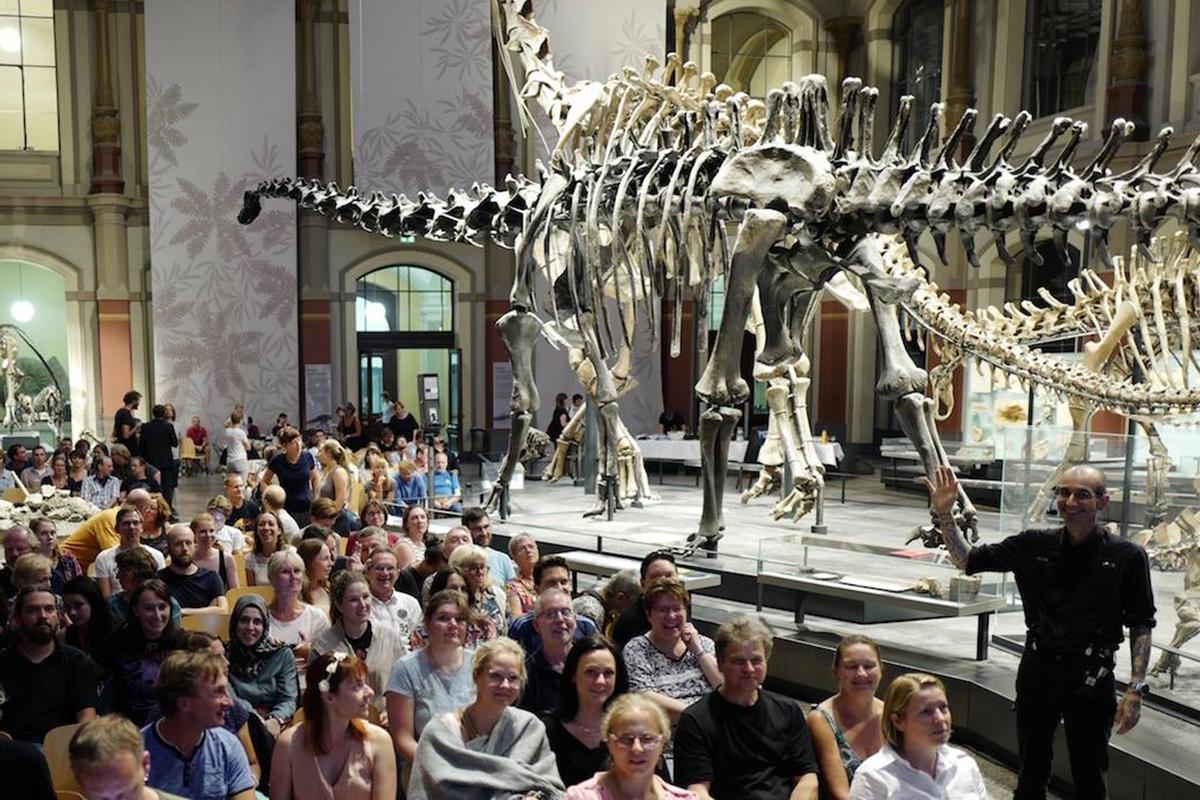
[[358, 496], [55, 748], [187, 448], [63, 794], [265, 592], [214, 624]]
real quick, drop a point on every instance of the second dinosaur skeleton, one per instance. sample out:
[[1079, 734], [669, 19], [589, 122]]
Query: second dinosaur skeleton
[[653, 170]]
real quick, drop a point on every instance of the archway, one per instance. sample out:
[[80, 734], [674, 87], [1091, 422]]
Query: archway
[[35, 301]]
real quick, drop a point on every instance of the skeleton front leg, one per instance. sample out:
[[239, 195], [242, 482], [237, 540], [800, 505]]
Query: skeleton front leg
[[721, 385], [902, 381], [519, 331]]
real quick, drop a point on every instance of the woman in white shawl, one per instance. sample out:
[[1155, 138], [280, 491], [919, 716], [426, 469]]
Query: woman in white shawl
[[488, 750]]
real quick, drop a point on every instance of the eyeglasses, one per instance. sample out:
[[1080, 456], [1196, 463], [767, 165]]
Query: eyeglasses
[[477, 568], [1082, 495], [648, 741], [558, 613], [667, 609]]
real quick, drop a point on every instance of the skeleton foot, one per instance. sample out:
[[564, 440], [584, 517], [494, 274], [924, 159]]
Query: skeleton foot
[[767, 483], [1167, 662], [798, 503]]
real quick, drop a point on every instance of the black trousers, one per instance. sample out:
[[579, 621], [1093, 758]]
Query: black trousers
[[1048, 690]]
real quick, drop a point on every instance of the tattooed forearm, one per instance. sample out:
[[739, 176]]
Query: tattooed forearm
[[956, 545], [1139, 652]]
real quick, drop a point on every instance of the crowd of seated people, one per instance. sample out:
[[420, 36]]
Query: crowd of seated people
[[358, 654]]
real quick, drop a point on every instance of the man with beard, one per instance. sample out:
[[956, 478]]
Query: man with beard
[[196, 589], [45, 683], [477, 521], [554, 620]]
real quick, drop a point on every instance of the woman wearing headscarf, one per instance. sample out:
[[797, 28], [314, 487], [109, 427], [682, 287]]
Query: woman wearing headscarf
[[262, 671]]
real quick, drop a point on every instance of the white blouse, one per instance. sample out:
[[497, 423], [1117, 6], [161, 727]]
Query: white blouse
[[888, 775]]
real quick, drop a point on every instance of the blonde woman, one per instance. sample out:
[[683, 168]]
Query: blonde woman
[[917, 759], [490, 748], [337, 469], [636, 731], [293, 622], [209, 554], [488, 598]]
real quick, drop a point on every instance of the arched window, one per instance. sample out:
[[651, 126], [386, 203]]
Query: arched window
[[751, 52], [404, 300], [1061, 39], [917, 60], [28, 83]]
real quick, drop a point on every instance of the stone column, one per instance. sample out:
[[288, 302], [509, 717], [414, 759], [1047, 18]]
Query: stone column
[[310, 161], [842, 29], [961, 93], [106, 125], [1127, 87]]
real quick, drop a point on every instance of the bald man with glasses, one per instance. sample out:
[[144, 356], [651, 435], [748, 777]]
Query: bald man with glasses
[[1080, 584]]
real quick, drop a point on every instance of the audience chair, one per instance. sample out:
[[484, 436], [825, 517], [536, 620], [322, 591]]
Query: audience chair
[[189, 457], [213, 624], [265, 592], [55, 748]]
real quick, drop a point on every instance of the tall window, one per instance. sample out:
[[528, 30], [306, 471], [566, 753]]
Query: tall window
[[917, 60], [1061, 40], [750, 52], [404, 299], [28, 84]]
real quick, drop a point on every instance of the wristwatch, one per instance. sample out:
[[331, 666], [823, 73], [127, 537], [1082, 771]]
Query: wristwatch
[[1141, 687]]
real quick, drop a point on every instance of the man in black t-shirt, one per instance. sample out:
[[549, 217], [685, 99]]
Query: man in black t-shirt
[[741, 741], [127, 427], [244, 515], [45, 683], [196, 589]]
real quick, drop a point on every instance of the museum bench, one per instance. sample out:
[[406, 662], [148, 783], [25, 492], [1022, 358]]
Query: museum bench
[[605, 564], [879, 605]]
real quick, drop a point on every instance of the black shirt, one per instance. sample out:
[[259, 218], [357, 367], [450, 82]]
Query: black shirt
[[26, 773], [759, 749], [410, 582], [1073, 595], [403, 427], [632, 623], [125, 417], [158, 437], [249, 512], [197, 590], [576, 761], [43, 696], [294, 478], [541, 686]]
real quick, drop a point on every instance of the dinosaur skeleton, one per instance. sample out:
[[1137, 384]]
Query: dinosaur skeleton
[[653, 168]]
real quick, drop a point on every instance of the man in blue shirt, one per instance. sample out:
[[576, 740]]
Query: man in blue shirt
[[446, 492], [191, 755], [550, 572]]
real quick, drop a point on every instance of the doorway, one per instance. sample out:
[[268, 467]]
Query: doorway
[[407, 344]]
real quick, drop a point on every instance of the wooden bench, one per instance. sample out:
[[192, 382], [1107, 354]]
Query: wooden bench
[[805, 586], [604, 564]]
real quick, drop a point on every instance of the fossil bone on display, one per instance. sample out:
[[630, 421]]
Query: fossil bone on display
[[662, 181]]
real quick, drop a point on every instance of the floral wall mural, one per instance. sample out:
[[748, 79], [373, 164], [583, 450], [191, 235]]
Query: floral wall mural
[[421, 81], [221, 116]]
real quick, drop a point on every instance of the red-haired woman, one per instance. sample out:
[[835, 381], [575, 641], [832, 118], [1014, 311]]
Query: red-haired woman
[[335, 752]]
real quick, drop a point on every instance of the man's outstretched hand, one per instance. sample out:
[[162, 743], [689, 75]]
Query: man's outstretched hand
[[943, 490]]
